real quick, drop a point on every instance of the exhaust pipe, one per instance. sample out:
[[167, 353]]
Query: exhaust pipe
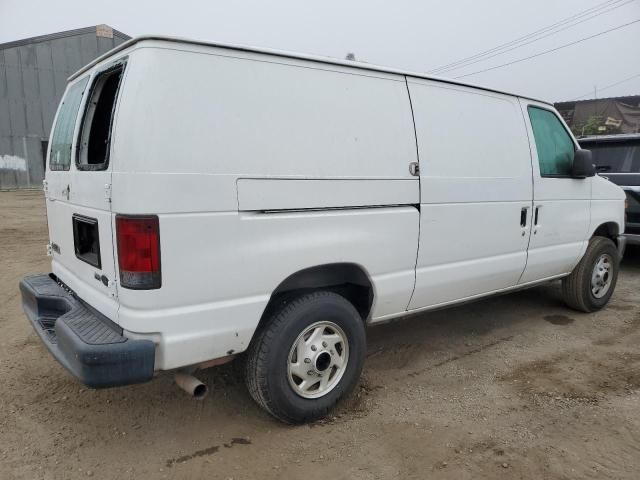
[[191, 385]]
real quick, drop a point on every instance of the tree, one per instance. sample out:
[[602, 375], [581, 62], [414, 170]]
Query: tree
[[591, 126], [596, 125]]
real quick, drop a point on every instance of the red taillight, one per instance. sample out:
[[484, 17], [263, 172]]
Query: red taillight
[[138, 239]]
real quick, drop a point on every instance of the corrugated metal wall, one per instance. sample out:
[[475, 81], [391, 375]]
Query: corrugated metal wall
[[33, 77]]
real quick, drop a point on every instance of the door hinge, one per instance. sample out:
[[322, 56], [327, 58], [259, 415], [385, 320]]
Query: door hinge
[[45, 188], [107, 192], [49, 250], [414, 169], [110, 284], [113, 290]]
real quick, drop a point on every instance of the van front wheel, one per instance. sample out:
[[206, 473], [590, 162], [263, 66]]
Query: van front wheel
[[307, 357], [592, 282]]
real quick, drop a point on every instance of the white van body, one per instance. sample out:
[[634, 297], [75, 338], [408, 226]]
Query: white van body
[[270, 172]]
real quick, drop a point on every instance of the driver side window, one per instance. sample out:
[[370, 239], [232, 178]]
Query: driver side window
[[554, 145]]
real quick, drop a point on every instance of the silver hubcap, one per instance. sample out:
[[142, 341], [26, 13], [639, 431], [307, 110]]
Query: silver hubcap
[[601, 276], [318, 359]]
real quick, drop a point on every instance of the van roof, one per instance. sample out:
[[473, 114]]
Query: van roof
[[299, 56]]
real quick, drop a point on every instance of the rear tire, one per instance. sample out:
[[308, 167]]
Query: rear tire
[[592, 282], [280, 358]]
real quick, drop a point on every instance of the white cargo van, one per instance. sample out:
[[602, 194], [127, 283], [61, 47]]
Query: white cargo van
[[205, 200]]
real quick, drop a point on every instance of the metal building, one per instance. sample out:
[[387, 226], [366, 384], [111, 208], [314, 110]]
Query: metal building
[[33, 76]]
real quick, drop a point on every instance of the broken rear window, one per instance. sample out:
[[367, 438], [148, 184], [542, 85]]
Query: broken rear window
[[95, 133]]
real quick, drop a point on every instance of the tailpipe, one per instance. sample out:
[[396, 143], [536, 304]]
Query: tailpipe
[[191, 385]]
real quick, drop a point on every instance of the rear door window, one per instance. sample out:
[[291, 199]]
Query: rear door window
[[62, 138], [616, 158], [95, 133], [553, 144]]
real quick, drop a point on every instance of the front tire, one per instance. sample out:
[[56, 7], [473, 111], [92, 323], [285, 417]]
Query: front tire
[[307, 357], [592, 282]]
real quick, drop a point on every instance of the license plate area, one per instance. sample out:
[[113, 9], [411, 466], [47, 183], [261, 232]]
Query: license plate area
[[86, 240]]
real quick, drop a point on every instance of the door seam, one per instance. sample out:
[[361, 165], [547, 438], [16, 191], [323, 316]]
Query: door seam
[[415, 137], [533, 191]]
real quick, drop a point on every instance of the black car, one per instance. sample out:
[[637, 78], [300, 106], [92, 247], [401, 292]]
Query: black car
[[617, 158]]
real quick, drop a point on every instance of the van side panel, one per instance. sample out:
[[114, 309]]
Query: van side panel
[[226, 112], [225, 266], [222, 127], [475, 170]]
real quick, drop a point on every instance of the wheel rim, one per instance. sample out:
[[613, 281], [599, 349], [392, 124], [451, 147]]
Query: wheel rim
[[602, 276], [317, 360]]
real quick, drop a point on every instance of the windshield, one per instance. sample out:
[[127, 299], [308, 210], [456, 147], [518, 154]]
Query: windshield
[[623, 158]]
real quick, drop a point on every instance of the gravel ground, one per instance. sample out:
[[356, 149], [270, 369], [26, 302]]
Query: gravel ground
[[516, 386]]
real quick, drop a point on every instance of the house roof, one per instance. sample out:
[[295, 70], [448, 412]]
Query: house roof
[[54, 36]]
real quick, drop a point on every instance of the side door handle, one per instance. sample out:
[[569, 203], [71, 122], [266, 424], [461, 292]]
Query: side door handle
[[524, 220], [536, 219], [524, 213]]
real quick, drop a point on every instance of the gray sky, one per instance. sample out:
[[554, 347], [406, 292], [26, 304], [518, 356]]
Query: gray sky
[[418, 35]]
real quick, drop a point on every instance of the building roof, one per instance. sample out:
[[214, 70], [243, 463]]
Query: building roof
[[299, 56], [66, 33]]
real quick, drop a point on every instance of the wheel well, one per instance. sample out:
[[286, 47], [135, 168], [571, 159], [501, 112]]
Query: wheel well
[[346, 279], [608, 230]]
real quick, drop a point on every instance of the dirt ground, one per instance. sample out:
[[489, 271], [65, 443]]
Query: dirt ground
[[510, 387]]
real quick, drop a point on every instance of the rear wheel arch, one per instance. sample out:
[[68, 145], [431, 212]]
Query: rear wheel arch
[[349, 280]]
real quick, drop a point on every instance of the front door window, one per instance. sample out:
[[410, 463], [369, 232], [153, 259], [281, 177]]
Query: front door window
[[554, 145]]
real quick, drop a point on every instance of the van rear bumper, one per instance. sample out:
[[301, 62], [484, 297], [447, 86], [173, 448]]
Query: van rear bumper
[[89, 345]]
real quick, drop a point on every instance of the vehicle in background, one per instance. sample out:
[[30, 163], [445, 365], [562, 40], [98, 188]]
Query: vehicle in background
[[617, 158], [206, 201]]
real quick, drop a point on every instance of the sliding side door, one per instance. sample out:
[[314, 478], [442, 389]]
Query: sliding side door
[[476, 192]]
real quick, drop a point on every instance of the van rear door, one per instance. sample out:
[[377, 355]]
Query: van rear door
[[79, 186]]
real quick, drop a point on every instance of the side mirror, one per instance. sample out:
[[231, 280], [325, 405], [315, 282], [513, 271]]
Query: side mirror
[[583, 166]]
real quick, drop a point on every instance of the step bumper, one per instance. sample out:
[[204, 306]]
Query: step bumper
[[89, 345]]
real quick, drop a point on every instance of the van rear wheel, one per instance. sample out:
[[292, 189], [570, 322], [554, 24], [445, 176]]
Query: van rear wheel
[[307, 357], [592, 282]]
